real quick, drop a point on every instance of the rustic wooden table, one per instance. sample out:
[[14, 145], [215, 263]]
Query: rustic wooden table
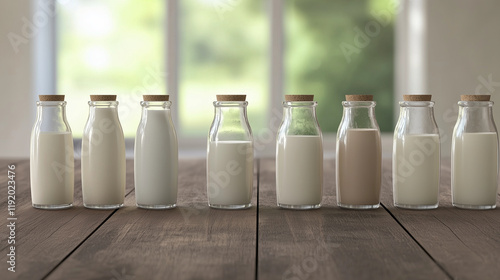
[[264, 242]]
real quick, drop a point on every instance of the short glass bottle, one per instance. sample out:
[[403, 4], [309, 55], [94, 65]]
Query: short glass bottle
[[299, 155], [51, 155], [359, 155], [156, 155], [103, 155], [474, 154], [416, 155], [230, 155]]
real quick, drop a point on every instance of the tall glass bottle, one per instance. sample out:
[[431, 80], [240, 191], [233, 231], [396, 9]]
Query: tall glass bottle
[[299, 155], [103, 155], [359, 155], [416, 155], [51, 155], [474, 154], [230, 155], [156, 155]]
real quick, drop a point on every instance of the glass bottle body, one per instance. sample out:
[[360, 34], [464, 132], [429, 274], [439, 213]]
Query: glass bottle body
[[103, 157], [359, 157], [299, 157], [474, 157], [156, 157], [416, 157], [51, 157], [230, 157]]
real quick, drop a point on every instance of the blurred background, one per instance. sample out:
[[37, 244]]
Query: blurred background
[[195, 49]]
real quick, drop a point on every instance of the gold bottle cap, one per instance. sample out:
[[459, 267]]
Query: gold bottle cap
[[417, 97], [475, 97], [103, 98], [236, 97], [158, 97], [303, 97], [52, 97]]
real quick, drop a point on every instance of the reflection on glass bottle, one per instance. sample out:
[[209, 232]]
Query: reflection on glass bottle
[[51, 155], [474, 155], [299, 155], [103, 155], [416, 155], [359, 155], [156, 155], [230, 155]]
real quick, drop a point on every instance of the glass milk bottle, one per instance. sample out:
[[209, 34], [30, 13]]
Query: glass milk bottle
[[103, 155], [359, 155], [299, 155], [230, 155], [474, 154], [156, 155], [51, 155], [416, 163]]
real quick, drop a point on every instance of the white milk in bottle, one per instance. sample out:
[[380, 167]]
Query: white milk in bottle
[[230, 155], [416, 154], [103, 155], [474, 155], [51, 156], [299, 155], [156, 155]]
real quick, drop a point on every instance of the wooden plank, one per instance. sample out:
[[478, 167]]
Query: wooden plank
[[466, 243], [191, 241], [45, 237], [332, 243]]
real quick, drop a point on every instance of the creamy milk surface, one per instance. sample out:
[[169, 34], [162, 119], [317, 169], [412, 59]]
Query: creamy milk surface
[[474, 178], [156, 161], [299, 170], [230, 172], [416, 163], [103, 160], [52, 169]]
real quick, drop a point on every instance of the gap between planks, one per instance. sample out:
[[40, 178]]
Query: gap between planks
[[418, 243]]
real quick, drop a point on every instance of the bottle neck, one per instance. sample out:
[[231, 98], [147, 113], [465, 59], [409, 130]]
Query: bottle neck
[[103, 108], [156, 107], [476, 116], [359, 114], [299, 118], [51, 116], [230, 122], [416, 117]]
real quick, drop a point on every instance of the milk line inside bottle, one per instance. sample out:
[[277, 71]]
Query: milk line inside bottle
[[51, 155], [416, 155], [358, 155], [299, 155], [474, 157], [230, 155]]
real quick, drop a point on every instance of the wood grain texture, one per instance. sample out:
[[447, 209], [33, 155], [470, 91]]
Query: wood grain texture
[[191, 241], [466, 243], [332, 243], [45, 237]]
